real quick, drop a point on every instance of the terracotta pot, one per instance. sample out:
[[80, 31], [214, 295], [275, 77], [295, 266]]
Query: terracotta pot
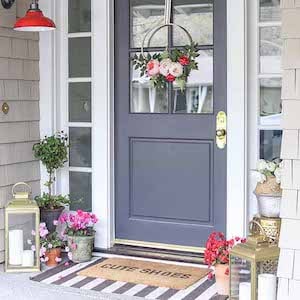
[[222, 280], [52, 255]]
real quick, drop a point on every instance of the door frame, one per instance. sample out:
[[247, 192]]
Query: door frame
[[53, 113]]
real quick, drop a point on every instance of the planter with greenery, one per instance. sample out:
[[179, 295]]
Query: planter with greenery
[[51, 244], [52, 151], [80, 234]]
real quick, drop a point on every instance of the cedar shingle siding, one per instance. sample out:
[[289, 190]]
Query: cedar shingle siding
[[289, 262], [19, 87]]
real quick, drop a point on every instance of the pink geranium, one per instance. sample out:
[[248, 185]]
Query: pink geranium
[[80, 223]]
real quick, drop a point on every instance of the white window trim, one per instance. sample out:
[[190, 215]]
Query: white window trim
[[254, 75], [54, 86]]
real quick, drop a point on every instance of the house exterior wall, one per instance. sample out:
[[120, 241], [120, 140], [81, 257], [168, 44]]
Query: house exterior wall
[[289, 262], [19, 87]]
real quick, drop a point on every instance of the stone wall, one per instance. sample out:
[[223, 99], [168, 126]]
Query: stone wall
[[19, 87], [289, 263]]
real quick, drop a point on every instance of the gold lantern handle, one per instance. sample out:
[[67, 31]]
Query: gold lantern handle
[[262, 231], [21, 184]]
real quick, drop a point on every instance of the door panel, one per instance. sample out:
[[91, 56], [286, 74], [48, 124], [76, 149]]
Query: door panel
[[170, 176]]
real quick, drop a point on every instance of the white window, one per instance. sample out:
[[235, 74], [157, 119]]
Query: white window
[[77, 102], [264, 85]]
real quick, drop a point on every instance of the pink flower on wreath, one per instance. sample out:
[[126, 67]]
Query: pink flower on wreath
[[164, 67], [153, 67], [176, 69], [184, 60], [170, 78]]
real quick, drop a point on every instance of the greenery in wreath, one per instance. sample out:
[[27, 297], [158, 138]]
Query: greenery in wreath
[[168, 66]]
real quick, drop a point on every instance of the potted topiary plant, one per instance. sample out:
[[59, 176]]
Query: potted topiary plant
[[52, 151], [268, 190], [51, 244], [80, 234]]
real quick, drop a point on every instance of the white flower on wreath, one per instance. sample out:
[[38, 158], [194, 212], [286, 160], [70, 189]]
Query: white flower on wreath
[[262, 165], [176, 69], [164, 66]]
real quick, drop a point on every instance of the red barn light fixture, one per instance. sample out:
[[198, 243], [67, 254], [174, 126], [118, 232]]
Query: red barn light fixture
[[34, 20]]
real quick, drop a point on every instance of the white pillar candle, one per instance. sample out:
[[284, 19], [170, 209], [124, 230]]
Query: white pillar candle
[[15, 245], [267, 286], [28, 258], [245, 291]]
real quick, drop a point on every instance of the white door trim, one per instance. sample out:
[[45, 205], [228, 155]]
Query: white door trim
[[103, 116]]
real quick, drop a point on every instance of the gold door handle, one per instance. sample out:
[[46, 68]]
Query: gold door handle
[[221, 131]]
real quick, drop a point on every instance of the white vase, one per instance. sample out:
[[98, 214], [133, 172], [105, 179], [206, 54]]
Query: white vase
[[269, 205]]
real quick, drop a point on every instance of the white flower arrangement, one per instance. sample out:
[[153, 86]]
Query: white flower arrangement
[[267, 169]]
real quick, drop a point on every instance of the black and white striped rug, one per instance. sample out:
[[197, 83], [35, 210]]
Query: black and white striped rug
[[67, 276]]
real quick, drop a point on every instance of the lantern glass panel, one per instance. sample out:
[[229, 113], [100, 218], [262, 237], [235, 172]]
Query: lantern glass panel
[[21, 240], [240, 271]]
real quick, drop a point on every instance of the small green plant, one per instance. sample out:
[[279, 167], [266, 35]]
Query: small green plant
[[52, 151]]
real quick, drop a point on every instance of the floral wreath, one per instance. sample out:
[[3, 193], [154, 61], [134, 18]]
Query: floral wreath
[[169, 66]]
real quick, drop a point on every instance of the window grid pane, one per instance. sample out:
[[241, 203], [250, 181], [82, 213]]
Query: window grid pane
[[80, 105]]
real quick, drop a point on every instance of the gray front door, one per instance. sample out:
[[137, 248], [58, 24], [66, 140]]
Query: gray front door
[[170, 177]]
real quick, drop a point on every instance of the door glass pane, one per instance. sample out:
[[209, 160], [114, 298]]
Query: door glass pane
[[270, 49], [197, 18], [80, 147], [81, 191], [198, 95], [269, 10], [79, 16], [80, 102], [270, 144], [145, 98], [80, 57], [144, 16], [270, 100]]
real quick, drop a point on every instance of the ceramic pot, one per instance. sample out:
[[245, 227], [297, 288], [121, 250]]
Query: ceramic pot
[[81, 248], [222, 280], [269, 205], [50, 215], [52, 255]]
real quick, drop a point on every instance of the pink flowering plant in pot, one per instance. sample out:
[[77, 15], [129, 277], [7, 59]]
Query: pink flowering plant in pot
[[51, 245], [216, 255], [80, 234]]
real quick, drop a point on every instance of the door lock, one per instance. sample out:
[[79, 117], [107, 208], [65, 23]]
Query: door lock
[[221, 133]]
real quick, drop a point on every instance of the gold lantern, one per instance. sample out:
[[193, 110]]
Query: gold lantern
[[249, 260], [22, 240]]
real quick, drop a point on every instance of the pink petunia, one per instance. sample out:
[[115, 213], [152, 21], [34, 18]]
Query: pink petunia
[[33, 232], [55, 222], [66, 264], [33, 248], [73, 246], [70, 256], [58, 259]]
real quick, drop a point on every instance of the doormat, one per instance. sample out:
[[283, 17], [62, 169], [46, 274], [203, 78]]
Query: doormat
[[146, 272], [67, 276]]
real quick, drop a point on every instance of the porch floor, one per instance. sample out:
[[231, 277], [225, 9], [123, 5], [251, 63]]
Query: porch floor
[[20, 287]]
